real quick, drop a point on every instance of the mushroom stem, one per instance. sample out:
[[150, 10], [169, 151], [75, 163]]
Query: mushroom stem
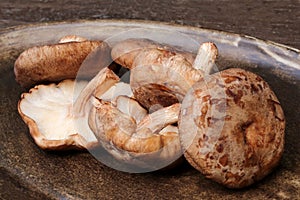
[[104, 80], [159, 119], [206, 56]]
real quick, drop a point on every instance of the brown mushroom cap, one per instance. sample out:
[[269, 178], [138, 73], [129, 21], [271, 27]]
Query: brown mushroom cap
[[232, 128], [125, 52], [57, 62], [161, 75]]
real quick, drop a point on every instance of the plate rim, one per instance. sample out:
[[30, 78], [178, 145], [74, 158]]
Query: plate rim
[[7, 30]]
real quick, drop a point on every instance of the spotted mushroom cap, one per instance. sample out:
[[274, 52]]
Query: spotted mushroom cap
[[232, 127]]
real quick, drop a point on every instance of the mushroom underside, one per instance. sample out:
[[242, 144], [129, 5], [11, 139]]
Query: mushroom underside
[[57, 114], [135, 137]]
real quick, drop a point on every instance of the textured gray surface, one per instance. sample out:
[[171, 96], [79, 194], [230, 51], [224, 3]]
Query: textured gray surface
[[268, 19], [29, 173]]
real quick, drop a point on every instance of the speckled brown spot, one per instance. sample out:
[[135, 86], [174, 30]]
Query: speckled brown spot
[[258, 78], [208, 121], [198, 92], [233, 177], [230, 79], [270, 137], [247, 87], [200, 143], [241, 104], [220, 148], [211, 121], [228, 117], [205, 138], [242, 75], [224, 160], [254, 89], [206, 98], [246, 124], [204, 110], [236, 96]]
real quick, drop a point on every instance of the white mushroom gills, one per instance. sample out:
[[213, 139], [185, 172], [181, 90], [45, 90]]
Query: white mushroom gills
[[131, 107], [116, 90], [57, 115], [50, 107]]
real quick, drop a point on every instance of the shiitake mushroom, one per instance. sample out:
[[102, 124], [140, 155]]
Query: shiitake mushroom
[[232, 127]]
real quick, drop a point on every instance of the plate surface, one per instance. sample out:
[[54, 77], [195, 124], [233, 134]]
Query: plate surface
[[27, 171]]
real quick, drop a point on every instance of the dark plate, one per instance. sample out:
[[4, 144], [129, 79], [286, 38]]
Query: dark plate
[[29, 172]]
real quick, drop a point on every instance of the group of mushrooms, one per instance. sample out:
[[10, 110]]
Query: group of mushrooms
[[228, 125]]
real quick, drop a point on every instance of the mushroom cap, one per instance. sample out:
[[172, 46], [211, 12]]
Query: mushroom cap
[[231, 127], [170, 71], [57, 62], [125, 52]]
